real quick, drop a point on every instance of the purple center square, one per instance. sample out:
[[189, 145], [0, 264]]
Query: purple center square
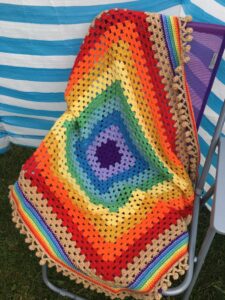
[[109, 155]]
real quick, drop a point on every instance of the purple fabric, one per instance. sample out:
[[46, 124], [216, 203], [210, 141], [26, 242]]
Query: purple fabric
[[207, 40], [108, 154], [215, 29], [199, 69], [195, 82]]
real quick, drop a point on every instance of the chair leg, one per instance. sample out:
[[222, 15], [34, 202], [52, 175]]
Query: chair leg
[[55, 289], [200, 260]]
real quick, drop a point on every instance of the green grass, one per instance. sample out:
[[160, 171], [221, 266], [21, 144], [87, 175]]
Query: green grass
[[20, 273]]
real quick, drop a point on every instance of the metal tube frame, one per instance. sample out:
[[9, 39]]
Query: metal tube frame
[[198, 196], [200, 260], [56, 289], [208, 194]]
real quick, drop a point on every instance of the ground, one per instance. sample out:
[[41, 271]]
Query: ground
[[20, 273]]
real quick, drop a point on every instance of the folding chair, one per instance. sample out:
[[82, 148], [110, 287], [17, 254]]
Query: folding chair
[[207, 48]]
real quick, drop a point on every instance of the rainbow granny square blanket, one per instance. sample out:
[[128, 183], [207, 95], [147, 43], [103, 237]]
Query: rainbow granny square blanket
[[108, 195]]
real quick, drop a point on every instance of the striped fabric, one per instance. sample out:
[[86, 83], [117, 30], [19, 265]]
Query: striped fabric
[[37, 51], [198, 71], [39, 40], [210, 11]]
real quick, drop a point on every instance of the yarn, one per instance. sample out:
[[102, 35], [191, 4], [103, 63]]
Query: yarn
[[108, 195]]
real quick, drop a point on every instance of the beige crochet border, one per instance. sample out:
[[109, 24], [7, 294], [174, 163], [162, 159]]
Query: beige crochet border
[[174, 272], [176, 89]]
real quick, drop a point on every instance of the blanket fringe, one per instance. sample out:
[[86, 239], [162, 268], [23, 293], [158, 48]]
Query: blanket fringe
[[186, 138], [181, 90], [178, 269]]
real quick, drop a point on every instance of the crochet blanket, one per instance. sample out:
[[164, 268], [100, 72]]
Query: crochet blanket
[[107, 196]]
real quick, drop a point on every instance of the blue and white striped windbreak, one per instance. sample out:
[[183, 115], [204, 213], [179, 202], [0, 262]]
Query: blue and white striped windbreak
[[39, 40]]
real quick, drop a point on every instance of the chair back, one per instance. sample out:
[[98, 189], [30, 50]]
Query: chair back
[[206, 53]]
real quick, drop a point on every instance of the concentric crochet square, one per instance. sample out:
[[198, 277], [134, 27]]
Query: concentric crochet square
[[109, 154], [107, 196]]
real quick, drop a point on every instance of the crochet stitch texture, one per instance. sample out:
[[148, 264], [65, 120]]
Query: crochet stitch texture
[[107, 196]]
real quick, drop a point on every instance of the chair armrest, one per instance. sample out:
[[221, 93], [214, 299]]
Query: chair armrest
[[218, 210]]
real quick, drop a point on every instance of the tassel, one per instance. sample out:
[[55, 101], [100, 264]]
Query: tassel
[[178, 69], [42, 262], [14, 219], [175, 86], [31, 247], [17, 225], [22, 231], [38, 254], [176, 78], [186, 59], [187, 48], [27, 240], [188, 19]]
